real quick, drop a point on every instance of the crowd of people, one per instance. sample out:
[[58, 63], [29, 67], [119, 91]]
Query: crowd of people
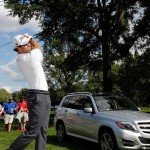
[[15, 110]]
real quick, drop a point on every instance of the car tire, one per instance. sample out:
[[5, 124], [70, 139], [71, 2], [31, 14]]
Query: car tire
[[107, 140], [61, 132]]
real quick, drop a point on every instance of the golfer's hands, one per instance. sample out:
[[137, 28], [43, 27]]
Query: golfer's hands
[[32, 41], [27, 35]]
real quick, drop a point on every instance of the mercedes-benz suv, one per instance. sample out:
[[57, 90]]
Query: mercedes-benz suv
[[111, 120]]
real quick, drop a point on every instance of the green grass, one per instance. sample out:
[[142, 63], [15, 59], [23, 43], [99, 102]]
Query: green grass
[[52, 143], [145, 109]]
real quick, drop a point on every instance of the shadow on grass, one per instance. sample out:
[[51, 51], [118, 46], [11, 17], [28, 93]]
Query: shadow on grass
[[73, 143]]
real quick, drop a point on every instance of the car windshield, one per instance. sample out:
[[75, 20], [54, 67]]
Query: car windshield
[[114, 103]]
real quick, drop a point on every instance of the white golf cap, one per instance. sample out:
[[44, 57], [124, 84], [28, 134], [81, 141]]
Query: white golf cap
[[20, 40]]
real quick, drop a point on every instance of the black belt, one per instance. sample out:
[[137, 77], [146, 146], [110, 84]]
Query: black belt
[[38, 91], [10, 114]]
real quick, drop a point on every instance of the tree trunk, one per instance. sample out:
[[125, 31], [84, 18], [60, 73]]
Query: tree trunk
[[107, 82]]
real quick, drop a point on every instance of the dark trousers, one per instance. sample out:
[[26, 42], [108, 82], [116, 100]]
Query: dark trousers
[[39, 106]]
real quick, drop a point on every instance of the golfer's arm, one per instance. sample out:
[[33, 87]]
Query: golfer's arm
[[34, 44]]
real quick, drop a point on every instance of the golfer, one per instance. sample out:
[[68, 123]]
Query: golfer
[[29, 61]]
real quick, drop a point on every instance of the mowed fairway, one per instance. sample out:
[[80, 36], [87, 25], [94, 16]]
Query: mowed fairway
[[52, 143]]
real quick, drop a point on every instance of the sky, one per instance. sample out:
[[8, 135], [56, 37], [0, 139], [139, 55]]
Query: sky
[[10, 77]]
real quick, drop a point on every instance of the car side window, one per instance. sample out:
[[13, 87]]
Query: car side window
[[66, 102], [72, 102], [77, 102]]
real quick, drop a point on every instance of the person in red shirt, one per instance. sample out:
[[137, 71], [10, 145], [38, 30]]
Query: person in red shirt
[[23, 108]]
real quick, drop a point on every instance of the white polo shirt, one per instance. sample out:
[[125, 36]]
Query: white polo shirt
[[30, 64]]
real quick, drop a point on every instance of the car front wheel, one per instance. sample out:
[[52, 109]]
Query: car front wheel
[[61, 132], [107, 140]]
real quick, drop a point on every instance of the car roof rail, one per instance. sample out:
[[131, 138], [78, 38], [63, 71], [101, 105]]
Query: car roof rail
[[104, 93], [79, 93]]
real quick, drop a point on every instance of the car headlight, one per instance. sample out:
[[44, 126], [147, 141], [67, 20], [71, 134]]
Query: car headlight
[[127, 126]]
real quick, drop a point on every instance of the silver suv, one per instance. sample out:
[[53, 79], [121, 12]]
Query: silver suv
[[111, 120]]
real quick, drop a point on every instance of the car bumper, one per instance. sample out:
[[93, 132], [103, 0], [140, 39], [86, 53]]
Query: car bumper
[[128, 140]]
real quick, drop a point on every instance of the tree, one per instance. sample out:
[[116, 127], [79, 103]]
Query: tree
[[60, 79], [144, 77], [134, 77], [16, 94], [100, 29], [4, 95]]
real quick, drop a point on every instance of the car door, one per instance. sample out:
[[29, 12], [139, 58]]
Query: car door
[[71, 119], [87, 123]]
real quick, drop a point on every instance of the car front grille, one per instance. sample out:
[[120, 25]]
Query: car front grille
[[144, 140], [144, 127]]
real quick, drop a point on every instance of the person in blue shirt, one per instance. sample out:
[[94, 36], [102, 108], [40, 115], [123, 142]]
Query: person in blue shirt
[[9, 109]]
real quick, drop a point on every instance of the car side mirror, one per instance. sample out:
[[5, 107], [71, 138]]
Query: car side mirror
[[88, 110]]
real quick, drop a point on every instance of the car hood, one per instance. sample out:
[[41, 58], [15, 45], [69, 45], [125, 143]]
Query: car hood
[[125, 115]]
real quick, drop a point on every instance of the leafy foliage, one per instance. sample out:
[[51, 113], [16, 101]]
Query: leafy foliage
[[87, 36], [16, 95], [4, 95], [134, 77]]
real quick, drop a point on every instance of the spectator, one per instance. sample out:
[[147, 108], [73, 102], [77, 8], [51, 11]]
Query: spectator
[[9, 109], [1, 108], [23, 108]]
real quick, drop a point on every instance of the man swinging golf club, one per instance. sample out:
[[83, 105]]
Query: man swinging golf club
[[29, 61]]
